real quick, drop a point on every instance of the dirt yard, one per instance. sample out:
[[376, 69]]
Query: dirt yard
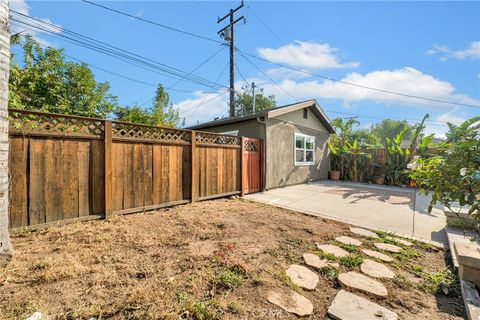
[[207, 260]]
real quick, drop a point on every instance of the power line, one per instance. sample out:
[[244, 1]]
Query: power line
[[105, 48], [152, 22], [266, 75], [358, 85], [241, 75]]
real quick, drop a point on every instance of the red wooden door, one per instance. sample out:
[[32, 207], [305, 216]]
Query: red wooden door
[[252, 165]]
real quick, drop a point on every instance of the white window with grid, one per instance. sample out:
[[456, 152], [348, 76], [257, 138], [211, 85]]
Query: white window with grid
[[304, 149]]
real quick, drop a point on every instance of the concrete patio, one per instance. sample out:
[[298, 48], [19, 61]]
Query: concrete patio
[[371, 206]]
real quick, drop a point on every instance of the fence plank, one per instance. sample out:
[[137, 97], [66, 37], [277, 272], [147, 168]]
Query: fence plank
[[83, 173], [18, 181], [148, 172], [70, 180]]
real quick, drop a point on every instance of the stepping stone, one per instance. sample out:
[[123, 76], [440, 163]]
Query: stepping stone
[[401, 241], [363, 283], [291, 302], [387, 247], [377, 255], [348, 306], [364, 232], [376, 270], [349, 240], [302, 276], [336, 251], [314, 261]]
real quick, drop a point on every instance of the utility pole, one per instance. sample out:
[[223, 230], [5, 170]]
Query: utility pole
[[227, 34], [253, 92]]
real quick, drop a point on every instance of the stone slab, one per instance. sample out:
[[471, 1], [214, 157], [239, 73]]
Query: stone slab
[[471, 300], [364, 232], [376, 270], [336, 251], [468, 253], [348, 306], [387, 247], [291, 302], [314, 261], [454, 235], [377, 255], [302, 276], [349, 240], [363, 283]]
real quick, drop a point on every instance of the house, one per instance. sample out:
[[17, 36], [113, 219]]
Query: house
[[295, 141]]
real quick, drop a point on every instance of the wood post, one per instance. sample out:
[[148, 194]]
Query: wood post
[[107, 154], [242, 168], [194, 191]]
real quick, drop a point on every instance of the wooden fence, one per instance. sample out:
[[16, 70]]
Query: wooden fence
[[66, 167]]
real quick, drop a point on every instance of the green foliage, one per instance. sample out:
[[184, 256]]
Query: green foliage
[[351, 261], [328, 256], [329, 272], [229, 279], [339, 144], [348, 247], [46, 82], [433, 282], [453, 174], [244, 101], [389, 129], [161, 113]]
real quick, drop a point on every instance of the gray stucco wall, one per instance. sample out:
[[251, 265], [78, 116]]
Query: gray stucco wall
[[249, 129], [281, 169]]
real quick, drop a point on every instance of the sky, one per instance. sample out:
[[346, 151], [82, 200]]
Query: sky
[[426, 49]]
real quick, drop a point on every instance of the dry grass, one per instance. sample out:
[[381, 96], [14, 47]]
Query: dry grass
[[206, 260]]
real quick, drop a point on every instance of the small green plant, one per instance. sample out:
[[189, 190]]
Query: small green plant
[[328, 256], [229, 279], [257, 279], [234, 307], [403, 282], [433, 282], [204, 310], [348, 247], [407, 254], [351, 261], [329, 272]]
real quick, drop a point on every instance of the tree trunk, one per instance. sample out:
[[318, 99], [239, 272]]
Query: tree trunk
[[6, 250]]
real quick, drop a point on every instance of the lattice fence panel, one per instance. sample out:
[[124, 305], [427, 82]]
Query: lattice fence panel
[[127, 130], [251, 146], [210, 138], [34, 122]]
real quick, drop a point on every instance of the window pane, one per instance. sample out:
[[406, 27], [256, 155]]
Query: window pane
[[299, 156], [299, 142], [310, 143], [309, 156]]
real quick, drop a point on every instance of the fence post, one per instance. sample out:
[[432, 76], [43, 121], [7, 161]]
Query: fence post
[[193, 179], [242, 168], [107, 154]]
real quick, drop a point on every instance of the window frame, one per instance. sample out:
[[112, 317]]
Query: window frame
[[305, 137]]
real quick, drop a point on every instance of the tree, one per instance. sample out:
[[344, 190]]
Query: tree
[[244, 101], [390, 129], [453, 174], [339, 144], [6, 250], [47, 82], [161, 113]]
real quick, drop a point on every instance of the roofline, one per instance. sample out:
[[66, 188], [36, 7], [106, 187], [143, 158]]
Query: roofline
[[272, 113]]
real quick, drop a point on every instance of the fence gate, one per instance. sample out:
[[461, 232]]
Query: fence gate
[[252, 158]]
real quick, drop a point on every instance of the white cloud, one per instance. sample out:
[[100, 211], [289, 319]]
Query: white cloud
[[282, 73], [306, 54], [203, 106], [453, 116], [471, 51], [407, 80], [22, 7]]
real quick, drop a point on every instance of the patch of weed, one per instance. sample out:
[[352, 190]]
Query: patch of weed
[[229, 279], [328, 256], [403, 282], [297, 242], [198, 310], [434, 282], [257, 279], [406, 254], [329, 272], [351, 261], [348, 247], [234, 307]]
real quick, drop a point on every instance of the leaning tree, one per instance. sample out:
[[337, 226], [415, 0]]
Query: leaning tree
[[5, 244]]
